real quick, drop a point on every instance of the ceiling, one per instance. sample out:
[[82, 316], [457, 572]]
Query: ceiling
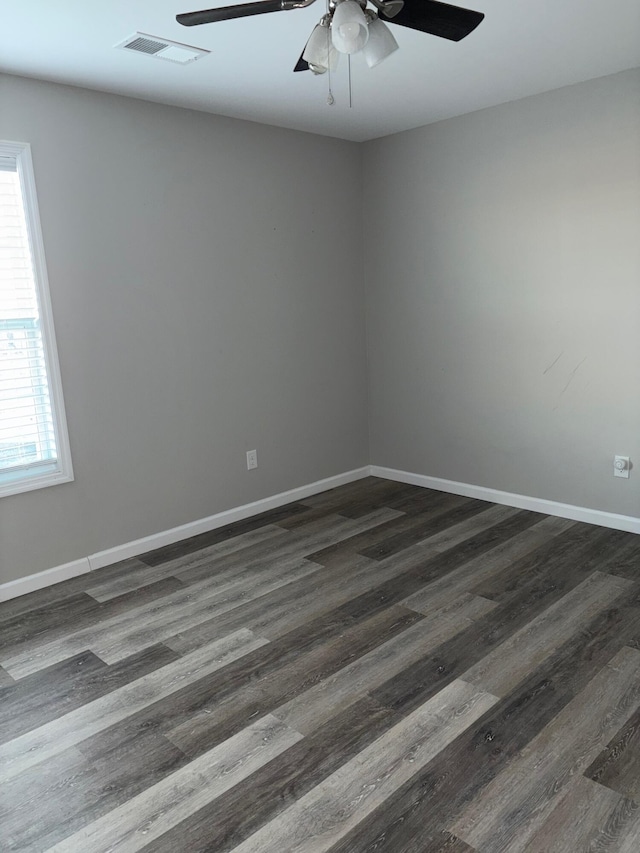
[[521, 48]]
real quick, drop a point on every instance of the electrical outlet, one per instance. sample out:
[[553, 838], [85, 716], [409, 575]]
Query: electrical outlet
[[621, 466], [252, 459]]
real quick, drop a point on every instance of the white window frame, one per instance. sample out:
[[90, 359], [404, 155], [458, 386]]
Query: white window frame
[[60, 470]]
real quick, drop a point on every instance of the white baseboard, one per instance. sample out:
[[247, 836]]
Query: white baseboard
[[21, 586], [48, 577], [576, 513]]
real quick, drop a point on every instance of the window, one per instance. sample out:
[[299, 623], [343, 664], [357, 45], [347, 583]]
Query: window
[[34, 447]]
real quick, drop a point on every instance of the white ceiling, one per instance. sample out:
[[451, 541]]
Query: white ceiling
[[523, 47]]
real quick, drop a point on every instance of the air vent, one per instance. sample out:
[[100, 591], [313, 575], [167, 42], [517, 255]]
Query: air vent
[[158, 48], [145, 45]]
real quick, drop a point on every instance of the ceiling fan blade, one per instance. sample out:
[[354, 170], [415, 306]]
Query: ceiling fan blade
[[389, 7], [438, 19], [302, 64], [225, 13]]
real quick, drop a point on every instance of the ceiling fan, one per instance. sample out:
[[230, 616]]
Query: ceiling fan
[[350, 26]]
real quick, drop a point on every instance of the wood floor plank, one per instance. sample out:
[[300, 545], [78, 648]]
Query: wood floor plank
[[621, 834], [262, 679], [50, 595], [142, 594], [53, 800], [415, 570], [53, 692], [402, 525], [44, 597], [231, 818], [443, 531], [203, 606], [367, 583], [449, 844], [532, 786], [502, 669], [23, 642], [361, 501], [112, 587], [344, 799], [386, 582], [544, 577], [23, 645], [45, 620], [57, 735], [297, 605], [207, 563], [367, 501], [576, 820], [614, 831], [25, 808], [490, 516], [590, 549], [420, 500], [412, 820], [157, 809], [618, 765], [624, 560], [5, 679], [278, 670], [287, 608], [133, 630], [472, 573], [212, 566], [418, 682], [198, 728], [372, 487], [307, 711], [299, 543], [408, 499]]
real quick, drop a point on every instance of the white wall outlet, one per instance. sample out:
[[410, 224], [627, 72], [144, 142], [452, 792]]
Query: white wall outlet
[[252, 459], [621, 466]]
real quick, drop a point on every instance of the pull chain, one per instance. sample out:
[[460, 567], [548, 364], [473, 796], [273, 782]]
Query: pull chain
[[330, 99]]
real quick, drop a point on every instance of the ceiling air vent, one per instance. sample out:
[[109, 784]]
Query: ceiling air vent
[[144, 45], [158, 48]]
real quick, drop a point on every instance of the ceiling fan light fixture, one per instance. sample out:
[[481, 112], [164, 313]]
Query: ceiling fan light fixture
[[380, 45], [349, 29], [351, 25], [319, 53]]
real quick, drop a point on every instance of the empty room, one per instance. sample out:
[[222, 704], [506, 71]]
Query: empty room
[[320, 427]]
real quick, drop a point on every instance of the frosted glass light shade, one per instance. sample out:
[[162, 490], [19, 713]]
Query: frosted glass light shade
[[381, 43], [349, 29], [320, 52]]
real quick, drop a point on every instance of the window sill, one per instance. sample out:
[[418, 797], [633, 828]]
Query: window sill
[[15, 482]]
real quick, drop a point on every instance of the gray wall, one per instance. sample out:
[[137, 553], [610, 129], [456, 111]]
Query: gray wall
[[503, 271], [206, 283]]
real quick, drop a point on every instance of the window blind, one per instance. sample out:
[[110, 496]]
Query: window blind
[[27, 432]]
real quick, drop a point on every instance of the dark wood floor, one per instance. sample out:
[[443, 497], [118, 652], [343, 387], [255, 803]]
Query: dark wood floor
[[378, 668]]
